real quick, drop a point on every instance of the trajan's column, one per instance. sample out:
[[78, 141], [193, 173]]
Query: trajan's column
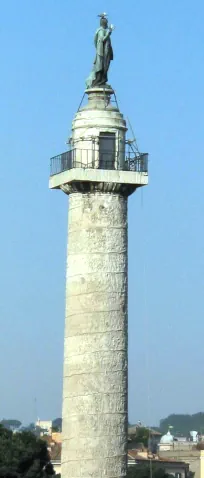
[[98, 173]]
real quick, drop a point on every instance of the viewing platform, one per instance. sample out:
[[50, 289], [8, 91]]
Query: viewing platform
[[90, 170], [93, 159]]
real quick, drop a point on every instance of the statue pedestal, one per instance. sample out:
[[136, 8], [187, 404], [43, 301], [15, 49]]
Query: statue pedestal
[[99, 96]]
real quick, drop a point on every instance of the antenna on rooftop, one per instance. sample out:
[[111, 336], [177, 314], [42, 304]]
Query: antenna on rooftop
[[35, 409]]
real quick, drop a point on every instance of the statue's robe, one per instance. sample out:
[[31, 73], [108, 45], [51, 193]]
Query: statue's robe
[[104, 54]]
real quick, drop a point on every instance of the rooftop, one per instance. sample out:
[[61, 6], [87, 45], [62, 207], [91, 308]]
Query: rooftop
[[55, 452], [134, 455]]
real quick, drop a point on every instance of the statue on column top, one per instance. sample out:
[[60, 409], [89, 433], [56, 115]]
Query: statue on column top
[[104, 54]]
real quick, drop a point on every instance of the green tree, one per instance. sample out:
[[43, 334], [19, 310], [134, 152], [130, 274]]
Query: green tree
[[57, 423], [143, 470], [11, 424], [142, 436], [183, 424], [23, 455]]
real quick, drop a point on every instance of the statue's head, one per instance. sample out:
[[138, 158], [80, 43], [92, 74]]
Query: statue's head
[[104, 22]]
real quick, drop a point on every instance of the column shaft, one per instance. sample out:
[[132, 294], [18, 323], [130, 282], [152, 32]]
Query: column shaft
[[95, 350]]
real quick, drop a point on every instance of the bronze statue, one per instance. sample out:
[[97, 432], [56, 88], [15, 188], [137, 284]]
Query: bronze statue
[[104, 54]]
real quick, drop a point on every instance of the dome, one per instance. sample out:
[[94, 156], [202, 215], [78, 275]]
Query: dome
[[168, 438]]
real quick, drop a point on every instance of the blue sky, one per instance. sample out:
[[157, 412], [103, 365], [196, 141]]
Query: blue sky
[[158, 74]]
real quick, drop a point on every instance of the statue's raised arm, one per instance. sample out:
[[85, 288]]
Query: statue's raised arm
[[104, 54]]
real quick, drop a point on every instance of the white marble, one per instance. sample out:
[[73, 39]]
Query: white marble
[[95, 350]]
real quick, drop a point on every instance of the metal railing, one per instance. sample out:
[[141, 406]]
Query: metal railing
[[96, 159]]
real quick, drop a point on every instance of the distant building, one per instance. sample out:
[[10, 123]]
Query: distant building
[[45, 426], [194, 436], [188, 452], [154, 438], [55, 455], [57, 437], [181, 439], [176, 468], [166, 442], [54, 446]]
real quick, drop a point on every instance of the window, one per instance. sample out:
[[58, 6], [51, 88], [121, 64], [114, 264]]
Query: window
[[107, 151]]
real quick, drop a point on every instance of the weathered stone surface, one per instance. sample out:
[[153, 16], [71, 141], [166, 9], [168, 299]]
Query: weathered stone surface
[[94, 467], [95, 355]]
